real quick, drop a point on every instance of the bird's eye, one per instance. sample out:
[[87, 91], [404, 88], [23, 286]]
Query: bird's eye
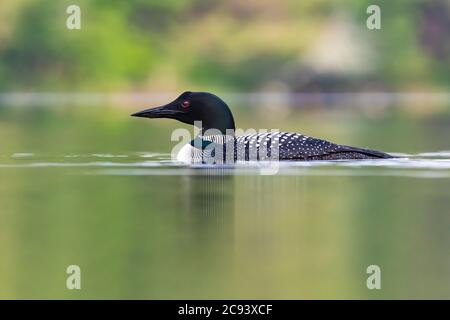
[[185, 104]]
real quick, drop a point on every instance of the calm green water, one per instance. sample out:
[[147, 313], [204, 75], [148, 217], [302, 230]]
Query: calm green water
[[96, 188]]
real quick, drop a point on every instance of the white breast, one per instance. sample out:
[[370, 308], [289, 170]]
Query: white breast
[[185, 154]]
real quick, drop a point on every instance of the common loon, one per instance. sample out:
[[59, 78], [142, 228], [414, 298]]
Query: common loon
[[217, 136]]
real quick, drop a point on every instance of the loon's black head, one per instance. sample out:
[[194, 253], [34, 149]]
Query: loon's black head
[[189, 107]]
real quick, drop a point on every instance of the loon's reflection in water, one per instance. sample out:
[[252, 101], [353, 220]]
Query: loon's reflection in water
[[208, 204]]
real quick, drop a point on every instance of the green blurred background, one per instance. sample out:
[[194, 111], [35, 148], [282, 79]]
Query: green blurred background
[[232, 45], [306, 66]]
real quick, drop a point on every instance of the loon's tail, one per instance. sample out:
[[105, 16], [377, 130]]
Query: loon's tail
[[368, 152]]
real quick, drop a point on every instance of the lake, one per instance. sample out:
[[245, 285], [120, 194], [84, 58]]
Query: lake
[[93, 187]]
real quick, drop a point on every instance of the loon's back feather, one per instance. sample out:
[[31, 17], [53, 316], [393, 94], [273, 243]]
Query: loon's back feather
[[368, 152], [290, 146]]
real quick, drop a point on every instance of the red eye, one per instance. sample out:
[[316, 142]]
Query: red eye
[[185, 104]]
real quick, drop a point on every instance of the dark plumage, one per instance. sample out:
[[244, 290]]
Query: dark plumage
[[294, 146], [215, 115]]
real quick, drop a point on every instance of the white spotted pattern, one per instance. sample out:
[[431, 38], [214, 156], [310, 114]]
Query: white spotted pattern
[[288, 146]]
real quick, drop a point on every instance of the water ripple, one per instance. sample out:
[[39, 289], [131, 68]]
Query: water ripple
[[424, 165]]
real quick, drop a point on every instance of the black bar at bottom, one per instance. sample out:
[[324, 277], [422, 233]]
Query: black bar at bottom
[[224, 309]]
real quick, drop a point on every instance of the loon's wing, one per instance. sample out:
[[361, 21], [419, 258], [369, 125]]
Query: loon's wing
[[294, 146]]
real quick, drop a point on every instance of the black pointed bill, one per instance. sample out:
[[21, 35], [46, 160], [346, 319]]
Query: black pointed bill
[[166, 111]]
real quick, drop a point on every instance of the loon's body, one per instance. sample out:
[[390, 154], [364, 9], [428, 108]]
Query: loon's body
[[218, 143]]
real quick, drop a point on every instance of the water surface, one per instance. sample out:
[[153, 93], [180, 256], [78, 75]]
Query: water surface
[[86, 187]]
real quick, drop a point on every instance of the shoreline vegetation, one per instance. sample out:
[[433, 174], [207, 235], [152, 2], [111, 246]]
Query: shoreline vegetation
[[224, 46], [363, 102]]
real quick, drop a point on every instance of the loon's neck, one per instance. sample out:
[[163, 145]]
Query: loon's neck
[[199, 142], [201, 146], [202, 141]]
